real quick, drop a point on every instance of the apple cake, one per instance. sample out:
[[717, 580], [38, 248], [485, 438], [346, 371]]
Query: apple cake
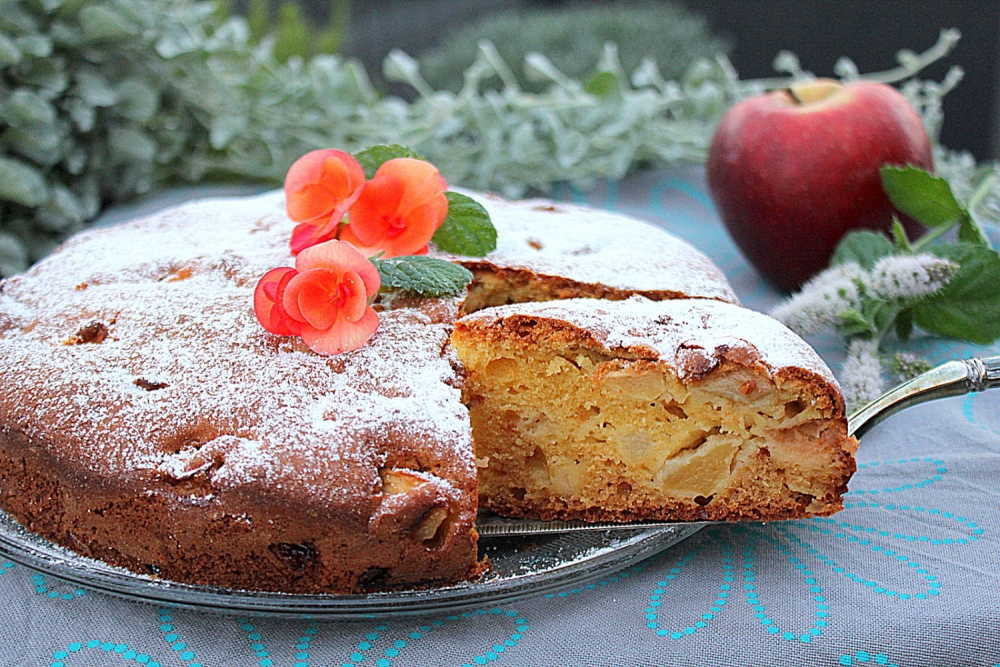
[[146, 419], [625, 410]]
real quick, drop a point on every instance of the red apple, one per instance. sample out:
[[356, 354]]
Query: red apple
[[793, 170]]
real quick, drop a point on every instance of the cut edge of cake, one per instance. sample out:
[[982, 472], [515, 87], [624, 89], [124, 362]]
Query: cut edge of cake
[[642, 410]]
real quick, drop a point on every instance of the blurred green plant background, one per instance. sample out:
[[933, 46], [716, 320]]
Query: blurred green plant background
[[104, 100], [670, 35]]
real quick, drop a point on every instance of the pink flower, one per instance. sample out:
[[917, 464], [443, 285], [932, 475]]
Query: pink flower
[[319, 188], [325, 299], [398, 210]]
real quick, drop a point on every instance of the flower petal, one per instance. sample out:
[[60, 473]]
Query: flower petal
[[308, 234], [352, 287], [313, 297], [321, 183], [340, 256], [399, 209], [344, 336], [267, 302], [422, 179], [370, 217], [422, 222]]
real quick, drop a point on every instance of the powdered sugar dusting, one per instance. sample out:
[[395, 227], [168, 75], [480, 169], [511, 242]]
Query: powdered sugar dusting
[[185, 367], [665, 327], [599, 247]]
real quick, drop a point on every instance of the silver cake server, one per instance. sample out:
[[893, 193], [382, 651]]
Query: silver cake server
[[953, 378]]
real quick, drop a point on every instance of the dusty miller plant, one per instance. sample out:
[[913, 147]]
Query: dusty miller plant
[[664, 32]]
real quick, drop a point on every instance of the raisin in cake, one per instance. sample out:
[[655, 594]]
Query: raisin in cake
[[146, 419]]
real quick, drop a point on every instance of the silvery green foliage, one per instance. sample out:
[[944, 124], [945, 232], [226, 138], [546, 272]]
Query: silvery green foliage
[[572, 38], [86, 115], [103, 99]]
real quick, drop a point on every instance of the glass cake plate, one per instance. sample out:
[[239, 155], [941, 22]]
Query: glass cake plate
[[523, 566]]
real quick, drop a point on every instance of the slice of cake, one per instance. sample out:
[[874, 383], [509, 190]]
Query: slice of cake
[[674, 410]]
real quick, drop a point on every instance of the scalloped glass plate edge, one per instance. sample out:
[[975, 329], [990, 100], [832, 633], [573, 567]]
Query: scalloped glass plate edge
[[521, 569]]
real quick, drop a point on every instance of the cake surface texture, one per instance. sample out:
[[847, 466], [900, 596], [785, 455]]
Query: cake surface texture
[[146, 419]]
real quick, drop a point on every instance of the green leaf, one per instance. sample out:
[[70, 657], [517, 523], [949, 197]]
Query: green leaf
[[101, 22], [10, 54], [467, 230], [904, 325], [22, 183], [39, 46], [374, 157], [423, 275], [970, 231], [13, 256], [93, 88], [923, 197], [863, 247], [853, 323], [899, 235], [968, 307], [26, 107], [602, 84], [42, 144], [47, 73]]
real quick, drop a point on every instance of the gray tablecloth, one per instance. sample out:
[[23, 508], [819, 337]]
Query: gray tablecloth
[[908, 574]]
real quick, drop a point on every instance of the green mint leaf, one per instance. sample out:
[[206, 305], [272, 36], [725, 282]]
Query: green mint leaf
[[863, 247], [923, 197], [374, 157], [899, 235], [969, 231], [423, 275], [467, 230], [853, 323], [882, 314], [968, 307]]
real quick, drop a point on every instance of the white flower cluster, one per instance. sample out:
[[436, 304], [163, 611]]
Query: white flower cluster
[[897, 278], [822, 299], [862, 373], [908, 277]]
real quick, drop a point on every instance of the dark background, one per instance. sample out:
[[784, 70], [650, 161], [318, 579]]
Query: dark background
[[870, 32]]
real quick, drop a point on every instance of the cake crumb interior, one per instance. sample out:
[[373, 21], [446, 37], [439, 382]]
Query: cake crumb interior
[[573, 433]]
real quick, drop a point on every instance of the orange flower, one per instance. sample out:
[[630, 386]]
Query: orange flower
[[325, 299], [319, 188], [398, 210]]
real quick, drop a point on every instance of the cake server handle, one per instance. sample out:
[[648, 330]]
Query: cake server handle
[[952, 378]]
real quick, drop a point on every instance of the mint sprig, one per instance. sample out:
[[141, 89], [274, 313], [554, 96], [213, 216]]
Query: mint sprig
[[968, 306], [944, 282], [426, 276], [928, 199]]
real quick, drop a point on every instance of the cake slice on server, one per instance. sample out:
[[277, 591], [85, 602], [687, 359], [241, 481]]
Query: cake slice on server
[[675, 410]]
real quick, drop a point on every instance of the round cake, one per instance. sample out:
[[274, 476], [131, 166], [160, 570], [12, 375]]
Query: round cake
[[146, 418]]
